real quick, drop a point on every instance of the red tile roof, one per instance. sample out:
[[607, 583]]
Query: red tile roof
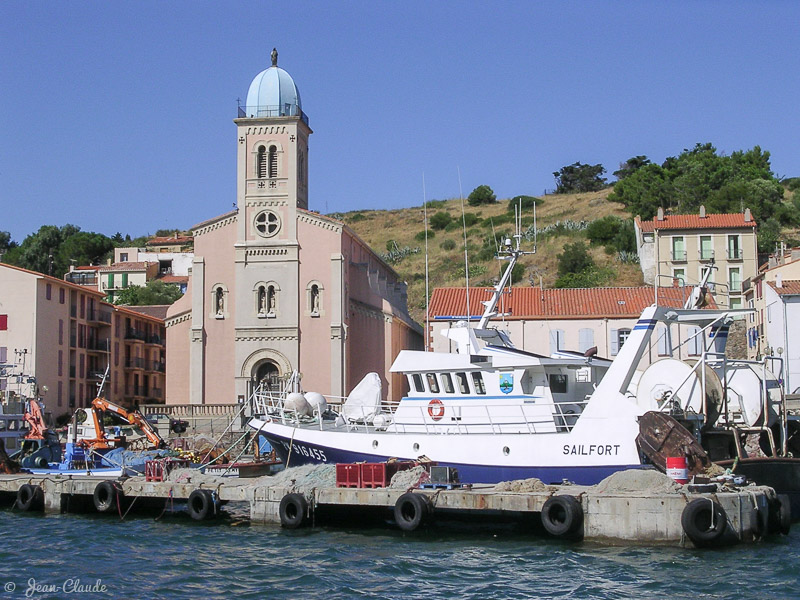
[[569, 303], [720, 221], [125, 266], [156, 311], [73, 286], [174, 279], [170, 241], [789, 287]]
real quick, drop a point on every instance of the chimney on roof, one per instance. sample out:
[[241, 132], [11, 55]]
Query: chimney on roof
[[108, 262], [747, 216], [702, 211], [660, 215], [778, 281]]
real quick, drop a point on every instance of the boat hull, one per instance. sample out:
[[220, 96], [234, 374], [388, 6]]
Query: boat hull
[[299, 446], [781, 474]]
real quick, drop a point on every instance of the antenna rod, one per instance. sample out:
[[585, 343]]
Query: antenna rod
[[427, 296], [464, 228]]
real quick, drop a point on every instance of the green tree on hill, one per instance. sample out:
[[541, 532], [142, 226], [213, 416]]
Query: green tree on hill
[[701, 176], [631, 165], [482, 194], [579, 177], [155, 292]]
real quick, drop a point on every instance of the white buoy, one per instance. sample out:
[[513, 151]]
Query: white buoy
[[298, 403], [317, 402]]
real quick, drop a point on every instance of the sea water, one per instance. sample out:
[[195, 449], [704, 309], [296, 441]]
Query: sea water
[[99, 556]]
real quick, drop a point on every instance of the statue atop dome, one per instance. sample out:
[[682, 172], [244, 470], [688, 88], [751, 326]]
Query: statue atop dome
[[274, 56]]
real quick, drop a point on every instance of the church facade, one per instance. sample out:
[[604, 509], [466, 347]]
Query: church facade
[[275, 287]]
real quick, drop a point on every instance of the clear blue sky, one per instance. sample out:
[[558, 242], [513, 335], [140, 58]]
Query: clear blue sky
[[117, 116]]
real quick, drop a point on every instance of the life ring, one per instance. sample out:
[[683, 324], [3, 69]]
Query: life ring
[[105, 496], [202, 505], [30, 497], [436, 409], [562, 516], [704, 521], [293, 511], [411, 511]]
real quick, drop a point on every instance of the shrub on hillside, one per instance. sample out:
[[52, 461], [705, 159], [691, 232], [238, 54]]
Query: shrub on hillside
[[440, 220], [448, 245], [482, 194], [528, 203], [574, 259], [420, 236]]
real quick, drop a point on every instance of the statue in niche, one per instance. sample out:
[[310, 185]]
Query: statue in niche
[[219, 301], [271, 300], [314, 299], [262, 300]]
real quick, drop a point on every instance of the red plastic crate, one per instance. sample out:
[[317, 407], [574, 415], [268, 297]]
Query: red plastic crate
[[158, 469], [348, 475], [375, 475]]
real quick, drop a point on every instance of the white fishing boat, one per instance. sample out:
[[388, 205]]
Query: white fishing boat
[[496, 413]]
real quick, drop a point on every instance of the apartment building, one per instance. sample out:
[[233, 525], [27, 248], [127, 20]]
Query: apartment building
[[681, 248], [58, 339]]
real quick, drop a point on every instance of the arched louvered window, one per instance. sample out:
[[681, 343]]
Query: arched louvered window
[[262, 162], [273, 162]]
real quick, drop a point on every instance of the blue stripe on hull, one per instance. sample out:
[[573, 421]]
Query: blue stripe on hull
[[304, 453]]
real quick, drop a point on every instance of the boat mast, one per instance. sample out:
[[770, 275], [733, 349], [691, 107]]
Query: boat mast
[[511, 252]]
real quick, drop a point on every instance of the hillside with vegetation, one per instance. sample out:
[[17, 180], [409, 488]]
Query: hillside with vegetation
[[584, 231], [562, 219]]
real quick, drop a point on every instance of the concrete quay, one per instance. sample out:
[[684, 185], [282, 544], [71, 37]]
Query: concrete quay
[[666, 516]]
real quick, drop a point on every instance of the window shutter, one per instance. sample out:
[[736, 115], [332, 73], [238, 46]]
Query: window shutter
[[3, 354], [585, 339], [3, 322], [556, 340], [614, 341], [661, 341]]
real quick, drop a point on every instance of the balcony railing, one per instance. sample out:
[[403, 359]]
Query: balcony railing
[[274, 110], [135, 334], [156, 393], [99, 316], [79, 278], [706, 255], [96, 374], [734, 254], [735, 287], [72, 372], [155, 339], [134, 363], [100, 345], [156, 365], [679, 256]]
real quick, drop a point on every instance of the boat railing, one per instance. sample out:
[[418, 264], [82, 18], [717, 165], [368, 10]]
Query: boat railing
[[456, 417]]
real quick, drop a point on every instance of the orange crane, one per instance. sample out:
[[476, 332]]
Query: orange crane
[[134, 417]]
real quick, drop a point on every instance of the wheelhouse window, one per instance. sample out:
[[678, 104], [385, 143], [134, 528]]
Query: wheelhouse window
[[477, 380], [433, 385], [417, 382], [558, 383], [447, 383], [463, 383]]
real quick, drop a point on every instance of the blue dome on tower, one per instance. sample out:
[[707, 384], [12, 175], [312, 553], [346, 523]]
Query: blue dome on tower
[[273, 93]]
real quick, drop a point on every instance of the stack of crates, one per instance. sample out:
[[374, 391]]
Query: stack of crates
[[369, 475], [159, 468]]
